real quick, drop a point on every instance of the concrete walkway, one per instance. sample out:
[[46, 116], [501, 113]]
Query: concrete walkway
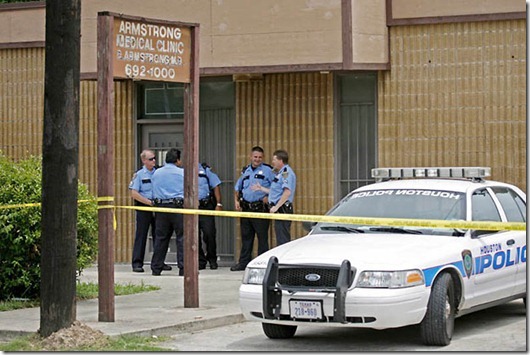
[[159, 312]]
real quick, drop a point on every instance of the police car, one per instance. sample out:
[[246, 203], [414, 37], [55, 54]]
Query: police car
[[412, 256]]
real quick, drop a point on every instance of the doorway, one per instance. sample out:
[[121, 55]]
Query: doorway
[[160, 126]]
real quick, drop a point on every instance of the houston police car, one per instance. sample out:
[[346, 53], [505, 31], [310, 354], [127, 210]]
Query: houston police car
[[384, 275]]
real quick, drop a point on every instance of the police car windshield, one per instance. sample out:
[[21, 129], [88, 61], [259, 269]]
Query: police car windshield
[[401, 203]]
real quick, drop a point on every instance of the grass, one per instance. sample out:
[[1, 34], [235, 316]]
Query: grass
[[89, 290], [33, 342], [84, 291]]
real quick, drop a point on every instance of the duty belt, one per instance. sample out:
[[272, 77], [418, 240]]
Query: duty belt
[[287, 207], [207, 203], [177, 202], [257, 206]]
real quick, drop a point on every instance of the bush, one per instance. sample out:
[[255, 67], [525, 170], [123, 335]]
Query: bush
[[20, 228]]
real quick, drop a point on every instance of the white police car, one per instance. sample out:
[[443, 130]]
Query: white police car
[[385, 275]]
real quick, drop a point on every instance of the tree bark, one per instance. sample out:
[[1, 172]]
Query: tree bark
[[60, 150]]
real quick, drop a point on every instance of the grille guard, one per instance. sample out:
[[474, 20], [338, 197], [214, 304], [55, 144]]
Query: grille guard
[[272, 291]]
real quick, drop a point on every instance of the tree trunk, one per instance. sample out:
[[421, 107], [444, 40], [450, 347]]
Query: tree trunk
[[60, 150]]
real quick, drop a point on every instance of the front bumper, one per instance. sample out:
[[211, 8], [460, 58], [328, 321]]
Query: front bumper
[[363, 308], [340, 304]]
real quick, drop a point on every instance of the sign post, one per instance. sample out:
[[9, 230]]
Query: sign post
[[155, 50]]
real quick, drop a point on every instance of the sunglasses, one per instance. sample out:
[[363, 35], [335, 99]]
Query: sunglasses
[[151, 159]]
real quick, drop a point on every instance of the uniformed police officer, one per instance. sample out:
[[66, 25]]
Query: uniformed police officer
[[209, 199], [249, 200], [281, 194], [141, 189], [168, 191]]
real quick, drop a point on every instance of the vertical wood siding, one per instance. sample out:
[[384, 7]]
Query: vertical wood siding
[[123, 156], [456, 95], [292, 112], [21, 120], [21, 102]]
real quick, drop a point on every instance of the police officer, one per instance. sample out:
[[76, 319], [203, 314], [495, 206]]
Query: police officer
[[281, 194], [168, 192], [250, 200], [209, 199], [141, 189]]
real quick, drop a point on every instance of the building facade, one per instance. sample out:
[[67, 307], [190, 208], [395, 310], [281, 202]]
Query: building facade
[[342, 85]]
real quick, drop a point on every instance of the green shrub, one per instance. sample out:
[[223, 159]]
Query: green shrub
[[20, 228]]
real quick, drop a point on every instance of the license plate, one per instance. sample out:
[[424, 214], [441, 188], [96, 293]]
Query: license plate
[[305, 309]]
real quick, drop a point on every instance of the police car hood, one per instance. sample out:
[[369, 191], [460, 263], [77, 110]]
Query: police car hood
[[365, 250]]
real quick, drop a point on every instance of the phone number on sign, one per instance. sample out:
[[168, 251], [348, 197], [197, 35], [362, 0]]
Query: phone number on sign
[[135, 71]]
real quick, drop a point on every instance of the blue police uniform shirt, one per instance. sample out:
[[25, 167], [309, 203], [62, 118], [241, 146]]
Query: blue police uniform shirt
[[142, 182], [168, 182], [285, 179], [207, 180], [249, 177]]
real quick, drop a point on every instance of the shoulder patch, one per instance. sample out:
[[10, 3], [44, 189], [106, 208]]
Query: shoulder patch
[[132, 180], [244, 169], [285, 174]]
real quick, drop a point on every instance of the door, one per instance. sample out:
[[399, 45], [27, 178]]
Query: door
[[495, 253], [160, 138]]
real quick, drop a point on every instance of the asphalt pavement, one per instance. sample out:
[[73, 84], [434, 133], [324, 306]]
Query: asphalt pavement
[[160, 312]]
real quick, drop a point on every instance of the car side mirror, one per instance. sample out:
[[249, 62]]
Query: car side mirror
[[476, 233], [308, 226]]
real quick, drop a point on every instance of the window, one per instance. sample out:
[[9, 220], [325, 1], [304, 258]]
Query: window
[[160, 100], [483, 208], [512, 204]]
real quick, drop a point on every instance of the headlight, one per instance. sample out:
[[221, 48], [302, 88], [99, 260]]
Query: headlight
[[254, 276], [390, 279]]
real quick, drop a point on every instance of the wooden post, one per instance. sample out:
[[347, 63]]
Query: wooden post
[[191, 177], [105, 166]]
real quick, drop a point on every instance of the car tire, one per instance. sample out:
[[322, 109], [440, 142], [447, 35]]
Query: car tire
[[438, 324], [277, 331]]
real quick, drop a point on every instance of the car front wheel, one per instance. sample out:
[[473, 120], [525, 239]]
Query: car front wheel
[[438, 324], [277, 331]]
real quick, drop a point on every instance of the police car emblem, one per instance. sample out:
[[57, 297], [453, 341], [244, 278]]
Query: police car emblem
[[467, 258], [312, 277]]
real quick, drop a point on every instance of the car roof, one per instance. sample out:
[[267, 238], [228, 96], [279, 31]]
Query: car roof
[[457, 185]]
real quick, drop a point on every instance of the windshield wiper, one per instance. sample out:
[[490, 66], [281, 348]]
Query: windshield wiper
[[342, 229], [395, 230]]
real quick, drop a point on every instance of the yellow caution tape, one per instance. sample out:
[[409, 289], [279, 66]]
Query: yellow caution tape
[[37, 204], [427, 223], [401, 222], [21, 205]]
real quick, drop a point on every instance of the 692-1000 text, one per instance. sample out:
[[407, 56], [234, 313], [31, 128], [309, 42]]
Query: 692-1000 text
[[141, 71]]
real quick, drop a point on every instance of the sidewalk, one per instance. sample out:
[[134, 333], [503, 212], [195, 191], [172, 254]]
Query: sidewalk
[[159, 312]]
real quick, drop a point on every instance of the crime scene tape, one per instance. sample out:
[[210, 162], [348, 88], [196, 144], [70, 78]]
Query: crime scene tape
[[38, 204], [402, 222]]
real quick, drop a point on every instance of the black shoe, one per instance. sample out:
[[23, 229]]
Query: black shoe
[[156, 273], [237, 267], [138, 269], [181, 272], [213, 265], [166, 267], [202, 267]]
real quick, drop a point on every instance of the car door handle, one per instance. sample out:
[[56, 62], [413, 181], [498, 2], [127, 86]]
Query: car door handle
[[510, 242]]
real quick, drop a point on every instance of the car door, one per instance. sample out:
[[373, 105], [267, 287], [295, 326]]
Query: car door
[[494, 253], [513, 204]]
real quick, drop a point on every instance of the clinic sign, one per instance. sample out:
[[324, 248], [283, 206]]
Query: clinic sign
[[136, 48], [144, 50]]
